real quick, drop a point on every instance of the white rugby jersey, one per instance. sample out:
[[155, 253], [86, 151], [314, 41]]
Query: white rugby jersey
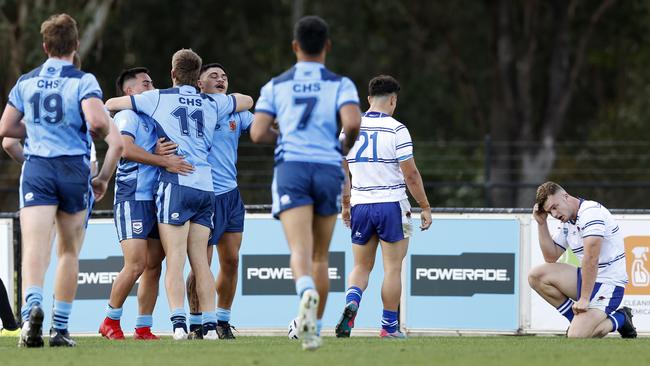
[[374, 159], [595, 220]]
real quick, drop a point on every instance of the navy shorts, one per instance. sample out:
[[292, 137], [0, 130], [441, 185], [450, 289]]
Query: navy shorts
[[176, 205], [228, 215], [135, 220], [298, 184], [91, 204], [62, 181], [390, 221]]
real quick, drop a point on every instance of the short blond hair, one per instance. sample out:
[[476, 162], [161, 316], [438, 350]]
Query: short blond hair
[[187, 67], [60, 35], [544, 191]]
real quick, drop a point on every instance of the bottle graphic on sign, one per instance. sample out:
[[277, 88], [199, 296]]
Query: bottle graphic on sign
[[640, 275]]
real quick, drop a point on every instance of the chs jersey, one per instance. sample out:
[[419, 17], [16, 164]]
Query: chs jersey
[[223, 156], [135, 181], [189, 119], [50, 99], [595, 220], [305, 100], [374, 160]]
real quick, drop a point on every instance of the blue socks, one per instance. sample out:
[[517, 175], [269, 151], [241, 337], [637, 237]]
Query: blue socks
[[566, 309], [196, 321], [209, 321], [61, 314], [178, 319], [389, 321], [223, 316], [113, 313], [33, 296], [303, 284], [618, 319], [144, 321], [353, 294]]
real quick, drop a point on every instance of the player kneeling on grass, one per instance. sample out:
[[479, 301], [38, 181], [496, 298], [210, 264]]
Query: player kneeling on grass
[[589, 295], [380, 211]]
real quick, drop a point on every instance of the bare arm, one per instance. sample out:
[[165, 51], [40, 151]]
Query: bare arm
[[589, 269], [416, 188], [111, 159], [119, 103], [550, 251], [351, 122], [244, 102], [346, 194], [173, 163], [262, 131], [14, 149], [96, 117], [10, 125]]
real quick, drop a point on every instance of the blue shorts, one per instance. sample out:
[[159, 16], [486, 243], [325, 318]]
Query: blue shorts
[[390, 221], [135, 220], [605, 297], [91, 204], [176, 205], [62, 181], [228, 215], [298, 184]]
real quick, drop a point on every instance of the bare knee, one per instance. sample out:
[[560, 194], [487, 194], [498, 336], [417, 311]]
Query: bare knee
[[135, 267], [536, 277], [229, 264]]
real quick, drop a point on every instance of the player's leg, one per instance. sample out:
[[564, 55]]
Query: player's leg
[[135, 260], [71, 228], [605, 299], [174, 243], [196, 317], [557, 284], [391, 290], [148, 289], [586, 325], [205, 289], [228, 250]]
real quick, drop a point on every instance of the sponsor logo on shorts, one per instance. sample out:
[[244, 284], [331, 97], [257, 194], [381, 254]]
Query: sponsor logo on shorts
[[285, 199], [272, 275], [175, 216], [29, 196], [137, 227], [463, 275], [96, 276]]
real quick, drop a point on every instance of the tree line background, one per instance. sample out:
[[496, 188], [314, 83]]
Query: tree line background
[[499, 95]]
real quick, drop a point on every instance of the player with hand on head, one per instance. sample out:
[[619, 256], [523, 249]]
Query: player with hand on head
[[60, 106], [307, 101], [375, 204], [185, 203], [229, 210], [587, 296]]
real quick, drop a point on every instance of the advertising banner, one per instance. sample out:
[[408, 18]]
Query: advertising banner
[[636, 234], [463, 274]]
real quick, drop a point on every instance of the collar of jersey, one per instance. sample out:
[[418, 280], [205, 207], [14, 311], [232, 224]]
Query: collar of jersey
[[187, 89], [580, 204], [309, 64], [372, 114], [57, 62]]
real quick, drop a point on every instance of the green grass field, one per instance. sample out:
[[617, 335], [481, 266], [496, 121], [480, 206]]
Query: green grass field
[[362, 351]]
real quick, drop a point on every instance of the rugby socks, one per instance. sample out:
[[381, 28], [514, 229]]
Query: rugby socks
[[196, 321], [144, 321], [61, 314], [319, 326], [353, 294], [566, 309], [178, 319], [223, 316], [389, 321], [618, 319], [303, 284], [209, 321], [113, 313], [33, 297]]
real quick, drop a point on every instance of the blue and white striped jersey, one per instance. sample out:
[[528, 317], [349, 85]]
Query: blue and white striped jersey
[[50, 99], [189, 119], [374, 159], [305, 100], [135, 181], [223, 156], [594, 219]]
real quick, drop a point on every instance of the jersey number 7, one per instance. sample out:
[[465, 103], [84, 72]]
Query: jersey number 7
[[310, 103]]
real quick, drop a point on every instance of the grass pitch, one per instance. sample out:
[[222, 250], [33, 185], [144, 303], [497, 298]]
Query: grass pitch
[[246, 350]]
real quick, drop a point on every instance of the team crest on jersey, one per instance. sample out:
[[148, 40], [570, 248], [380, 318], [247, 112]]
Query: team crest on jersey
[[137, 226], [217, 127], [233, 125]]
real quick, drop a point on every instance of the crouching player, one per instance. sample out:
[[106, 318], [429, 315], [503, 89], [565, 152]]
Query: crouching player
[[588, 296]]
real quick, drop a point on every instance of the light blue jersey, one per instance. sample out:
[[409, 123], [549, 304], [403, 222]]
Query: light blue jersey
[[50, 99], [135, 181], [223, 157], [189, 119], [305, 100]]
